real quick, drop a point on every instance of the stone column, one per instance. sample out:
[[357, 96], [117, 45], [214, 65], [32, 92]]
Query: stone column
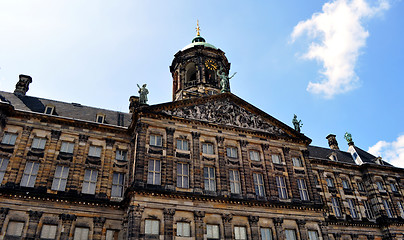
[[196, 159], [134, 221], [34, 217], [278, 228], [169, 223], [3, 215], [324, 230], [255, 231], [302, 229], [222, 171], [78, 164], [98, 226], [247, 184], [168, 180], [228, 230], [141, 130], [104, 176], [311, 187], [18, 164], [199, 225], [67, 220], [293, 191]]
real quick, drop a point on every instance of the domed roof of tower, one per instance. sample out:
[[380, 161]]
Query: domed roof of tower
[[199, 41]]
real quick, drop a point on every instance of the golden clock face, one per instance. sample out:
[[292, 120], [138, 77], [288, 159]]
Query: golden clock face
[[211, 65]]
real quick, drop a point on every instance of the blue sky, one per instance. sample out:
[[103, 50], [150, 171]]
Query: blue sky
[[95, 52]]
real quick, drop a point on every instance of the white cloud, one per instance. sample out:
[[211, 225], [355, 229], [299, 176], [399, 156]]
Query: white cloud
[[337, 35], [393, 152]]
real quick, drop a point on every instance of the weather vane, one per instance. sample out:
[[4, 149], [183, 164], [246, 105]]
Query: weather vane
[[197, 28]]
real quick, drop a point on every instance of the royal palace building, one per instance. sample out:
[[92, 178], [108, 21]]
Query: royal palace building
[[207, 165]]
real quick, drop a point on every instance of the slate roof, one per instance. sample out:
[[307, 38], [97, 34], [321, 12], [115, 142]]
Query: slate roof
[[63, 109]]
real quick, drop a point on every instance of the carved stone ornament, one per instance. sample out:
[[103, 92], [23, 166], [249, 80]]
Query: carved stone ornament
[[225, 113], [83, 138], [35, 215], [99, 221], [253, 219], [136, 210], [55, 134], [199, 215], [227, 218], [168, 212], [67, 217], [278, 221]]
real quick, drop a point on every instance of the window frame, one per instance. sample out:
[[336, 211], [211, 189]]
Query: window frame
[[361, 186], [100, 118], [156, 140], [181, 177], [336, 207], [79, 228], [210, 228], [387, 208], [276, 156], [28, 176], [317, 236], [9, 138], [53, 229], [232, 152], [153, 223], [153, 174], [400, 207], [368, 210], [235, 184], [209, 176], [15, 228], [3, 167], [282, 187], [183, 232], [330, 182], [393, 187], [352, 208], [291, 231], [255, 155], [208, 148], [67, 145], [345, 184], [259, 187], [181, 143], [303, 191], [95, 151], [61, 179], [266, 233], [121, 155], [240, 233], [380, 186], [118, 186], [90, 182], [297, 162], [38, 141], [47, 108]]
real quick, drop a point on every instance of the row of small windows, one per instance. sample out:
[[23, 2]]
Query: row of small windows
[[347, 186], [99, 118], [209, 175]]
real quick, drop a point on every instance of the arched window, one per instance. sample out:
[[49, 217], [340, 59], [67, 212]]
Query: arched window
[[190, 75]]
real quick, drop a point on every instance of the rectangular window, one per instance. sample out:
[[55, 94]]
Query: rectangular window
[[281, 184], [210, 180], [235, 186], [117, 185], [335, 207], [111, 235], [231, 152], [266, 234], [393, 187], [182, 175], [254, 155], [345, 184], [38, 143], [3, 168], [276, 158], [94, 151], [387, 207], [151, 227], [81, 233], [154, 174], [380, 186], [9, 138], [290, 234], [49, 231], [259, 184], [29, 176], [60, 178], [361, 187], [401, 208], [49, 110], [212, 231], [297, 162], [183, 229], [121, 155], [313, 235], [207, 148], [240, 233], [368, 210], [155, 140], [304, 194], [100, 118], [67, 147], [182, 144], [15, 229], [90, 181], [330, 182], [352, 208]]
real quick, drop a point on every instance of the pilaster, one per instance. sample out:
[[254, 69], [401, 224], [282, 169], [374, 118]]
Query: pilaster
[[168, 223], [228, 230], [255, 231], [134, 221], [199, 225], [67, 220]]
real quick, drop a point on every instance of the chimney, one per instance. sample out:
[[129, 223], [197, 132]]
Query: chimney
[[332, 142], [21, 88], [133, 103]]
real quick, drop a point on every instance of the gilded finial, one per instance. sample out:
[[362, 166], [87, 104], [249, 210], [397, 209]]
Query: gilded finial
[[197, 28]]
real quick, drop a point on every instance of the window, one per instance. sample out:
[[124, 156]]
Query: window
[[281, 184], [60, 178], [354, 155], [290, 234], [330, 182], [240, 233], [254, 155], [151, 227], [49, 110], [121, 155], [231, 152], [209, 175], [368, 210], [400, 208], [183, 229], [49, 231], [259, 184], [361, 187], [313, 235], [297, 162], [301, 184], [335, 207], [155, 140], [29, 176], [15, 229], [387, 207], [95, 151], [352, 209], [182, 144], [3, 168], [380, 186], [212, 231], [111, 235], [234, 181], [345, 184], [276, 158], [100, 118], [266, 234], [81, 233], [9, 138], [154, 175], [117, 185], [90, 181], [393, 187], [207, 148], [182, 175], [67, 147], [38, 143]]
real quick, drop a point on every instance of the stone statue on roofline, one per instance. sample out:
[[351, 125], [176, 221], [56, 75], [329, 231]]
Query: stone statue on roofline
[[297, 123], [143, 94], [348, 137], [224, 80]]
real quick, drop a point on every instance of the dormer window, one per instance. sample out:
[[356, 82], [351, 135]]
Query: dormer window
[[49, 109], [100, 118]]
